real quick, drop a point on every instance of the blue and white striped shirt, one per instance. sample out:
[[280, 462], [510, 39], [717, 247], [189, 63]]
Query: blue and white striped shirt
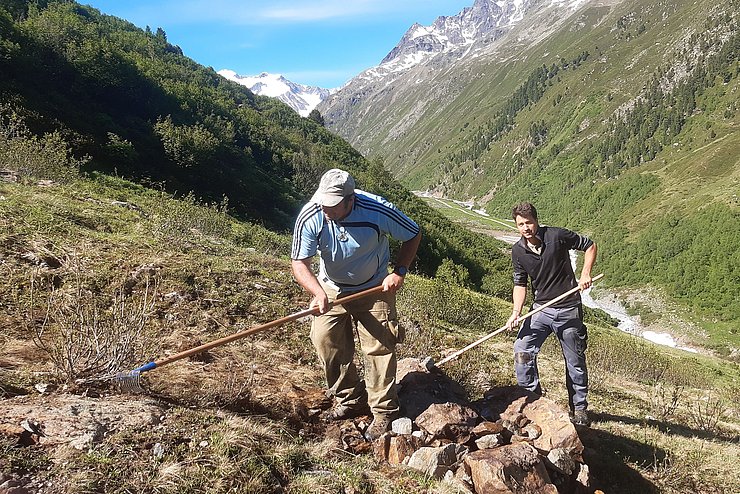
[[354, 253]]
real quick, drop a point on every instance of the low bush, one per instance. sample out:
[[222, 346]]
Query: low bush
[[87, 333], [180, 219], [48, 157], [437, 301]]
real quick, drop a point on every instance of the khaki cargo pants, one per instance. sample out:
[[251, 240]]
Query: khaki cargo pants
[[379, 332]]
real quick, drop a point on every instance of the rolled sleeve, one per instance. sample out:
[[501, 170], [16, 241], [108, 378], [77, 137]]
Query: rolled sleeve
[[575, 241]]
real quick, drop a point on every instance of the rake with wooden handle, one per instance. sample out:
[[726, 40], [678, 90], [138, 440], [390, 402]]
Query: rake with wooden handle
[[429, 363], [131, 381]]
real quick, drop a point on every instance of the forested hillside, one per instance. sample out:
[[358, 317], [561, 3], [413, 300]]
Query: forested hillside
[[112, 98], [622, 122]]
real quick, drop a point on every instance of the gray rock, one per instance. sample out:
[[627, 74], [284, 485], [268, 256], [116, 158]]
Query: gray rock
[[434, 462], [561, 460], [489, 441], [404, 425]]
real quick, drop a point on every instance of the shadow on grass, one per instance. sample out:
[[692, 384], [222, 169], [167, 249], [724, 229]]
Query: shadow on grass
[[667, 427], [607, 454]]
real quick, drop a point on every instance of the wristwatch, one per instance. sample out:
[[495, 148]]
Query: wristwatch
[[401, 271]]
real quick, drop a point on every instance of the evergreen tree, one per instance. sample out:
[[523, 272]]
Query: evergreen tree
[[316, 116]]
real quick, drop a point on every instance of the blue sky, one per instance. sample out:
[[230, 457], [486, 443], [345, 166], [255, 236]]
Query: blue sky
[[315, 42]]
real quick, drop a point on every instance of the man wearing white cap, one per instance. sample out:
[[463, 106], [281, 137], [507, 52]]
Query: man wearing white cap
[[349, 229]]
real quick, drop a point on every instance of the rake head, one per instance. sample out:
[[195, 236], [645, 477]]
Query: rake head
[[129, 382]]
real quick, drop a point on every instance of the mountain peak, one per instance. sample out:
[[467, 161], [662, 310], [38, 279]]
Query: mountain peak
[[300, 97], [479, 23]]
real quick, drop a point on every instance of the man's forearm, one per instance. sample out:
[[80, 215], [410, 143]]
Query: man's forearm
[[305, 277], [589, 258], [407, 252], [518, 296]]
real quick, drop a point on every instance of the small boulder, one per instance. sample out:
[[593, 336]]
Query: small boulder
[[434, 462], [448, 420], [511, 469]]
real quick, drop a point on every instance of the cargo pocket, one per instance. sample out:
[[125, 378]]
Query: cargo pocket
[[581, 341], [397, 330], [393, 332]]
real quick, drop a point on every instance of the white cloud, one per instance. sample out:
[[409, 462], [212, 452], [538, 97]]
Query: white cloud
[[320, 10]]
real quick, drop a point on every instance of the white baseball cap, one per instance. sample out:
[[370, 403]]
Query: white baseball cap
[[335, 185]]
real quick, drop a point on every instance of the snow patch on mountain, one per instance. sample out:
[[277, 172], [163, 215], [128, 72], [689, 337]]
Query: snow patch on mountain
[[301, 98], [462, 35]]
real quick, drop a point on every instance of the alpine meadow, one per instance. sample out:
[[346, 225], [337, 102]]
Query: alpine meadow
[[147, 206]]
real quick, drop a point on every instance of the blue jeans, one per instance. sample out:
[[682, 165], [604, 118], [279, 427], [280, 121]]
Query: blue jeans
[[567, 324]]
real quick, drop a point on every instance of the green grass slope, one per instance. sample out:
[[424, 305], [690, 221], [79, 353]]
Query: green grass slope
[[235, 419]]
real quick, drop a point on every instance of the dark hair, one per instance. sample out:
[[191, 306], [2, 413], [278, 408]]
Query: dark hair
[[525, 209]]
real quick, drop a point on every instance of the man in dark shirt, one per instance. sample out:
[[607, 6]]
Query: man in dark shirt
[[542, 255]]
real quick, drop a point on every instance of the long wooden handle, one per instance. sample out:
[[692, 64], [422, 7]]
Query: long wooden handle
[[521, 318], [277, 322]]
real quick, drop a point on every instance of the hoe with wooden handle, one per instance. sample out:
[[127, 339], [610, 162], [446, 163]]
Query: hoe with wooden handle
[[131, 381], [429, 364]]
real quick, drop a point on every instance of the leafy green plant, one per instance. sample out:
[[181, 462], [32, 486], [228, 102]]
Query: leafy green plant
[[452, 274]]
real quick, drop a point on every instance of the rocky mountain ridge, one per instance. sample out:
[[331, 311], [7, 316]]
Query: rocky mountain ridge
[[476, 24], [432, 64]]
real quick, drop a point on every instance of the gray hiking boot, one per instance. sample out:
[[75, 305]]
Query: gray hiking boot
[[379, 426], [580, 417]]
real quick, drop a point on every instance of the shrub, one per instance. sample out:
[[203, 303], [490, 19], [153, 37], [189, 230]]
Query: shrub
[[48, 157], [664, 400], [263, 240], [453, 274], [88, 334], [624, 356], [707, 411], [179, 219], [436, 300]]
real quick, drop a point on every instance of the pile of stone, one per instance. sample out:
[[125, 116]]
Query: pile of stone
[[511, 441]]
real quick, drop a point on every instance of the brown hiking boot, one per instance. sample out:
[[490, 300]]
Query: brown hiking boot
[[379, 426], [580, 417], [343, 412]]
